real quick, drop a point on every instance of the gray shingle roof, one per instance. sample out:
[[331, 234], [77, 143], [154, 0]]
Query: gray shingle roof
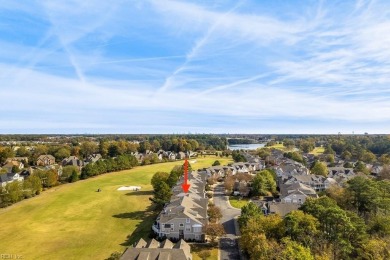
[[165, 250]]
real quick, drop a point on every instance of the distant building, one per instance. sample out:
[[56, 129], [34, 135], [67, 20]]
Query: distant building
[[46, 159], [12, 164], [93, 158], [73, 161]]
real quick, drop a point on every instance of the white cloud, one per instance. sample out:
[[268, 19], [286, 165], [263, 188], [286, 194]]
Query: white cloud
[[154, 60]]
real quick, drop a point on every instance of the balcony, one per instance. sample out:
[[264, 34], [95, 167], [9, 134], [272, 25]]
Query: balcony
[[156, 229]]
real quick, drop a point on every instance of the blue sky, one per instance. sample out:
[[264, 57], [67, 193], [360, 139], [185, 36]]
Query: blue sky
[[195, 66]]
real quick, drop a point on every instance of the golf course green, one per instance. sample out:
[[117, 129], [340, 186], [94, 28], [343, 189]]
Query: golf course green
[[74, 221]]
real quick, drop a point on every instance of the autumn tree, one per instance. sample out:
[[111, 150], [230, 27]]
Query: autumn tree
[[23, 152], [162, 193], [67, 172], [384, 174], [74, 176], [229, 183], [376, 248], [216, 163], [103, 148], [214, 230], [306, 145], [214, 213], [288, 143], [159, 177], [14, 191], [293, 250], [263, 153], [36, 184], [264, 183], [62, 153], [319, 168], [248, 211], [301, 227], [361, 167], [5, 152], [335, 224], [88, 148]]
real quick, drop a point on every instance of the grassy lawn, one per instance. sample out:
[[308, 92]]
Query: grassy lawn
[[73, 221], [238, 203], [195, 249], [277, 146], [318, 150], [209, 160]]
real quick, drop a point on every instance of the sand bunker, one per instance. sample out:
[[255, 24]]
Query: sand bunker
[[130, 188]]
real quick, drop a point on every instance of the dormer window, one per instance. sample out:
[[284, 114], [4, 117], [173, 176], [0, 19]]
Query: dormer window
[[188, 220]]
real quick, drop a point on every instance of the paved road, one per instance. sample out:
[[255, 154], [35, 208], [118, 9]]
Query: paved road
[[228, 244]]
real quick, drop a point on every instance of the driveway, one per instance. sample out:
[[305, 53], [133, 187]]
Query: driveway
[[228, 243]]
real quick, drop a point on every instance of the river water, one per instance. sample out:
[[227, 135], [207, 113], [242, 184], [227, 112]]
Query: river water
[[245, 146]]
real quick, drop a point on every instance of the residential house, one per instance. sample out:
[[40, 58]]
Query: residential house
[[12, 164], [290, 168], [161, 155], [341, 174], [46, 159], [181, 155], [186, 214], [24, 160], [139, 156], [229, 170], [376, 170], [240, 167], [25, 173], [217, 171], [171, 156], [9, 178], [155, 250], [191, 154], [73, 161], [282, 208], [296, 193], [241, 188], [93, 158], [317, 182], [56, 167]]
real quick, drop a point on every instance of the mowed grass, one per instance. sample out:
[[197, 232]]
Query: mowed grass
[[73, 221], [202, 162], [238, 203], [318, 150], [277, 146]]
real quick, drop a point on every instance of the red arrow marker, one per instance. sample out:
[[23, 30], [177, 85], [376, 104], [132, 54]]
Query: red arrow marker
[[185, 185]]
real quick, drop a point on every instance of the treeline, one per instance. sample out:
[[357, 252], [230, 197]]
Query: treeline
[[122, 162], [367, 148], [30, 187], [41, 180], [82, 147], [238, 156], [163, 183], [351, 222], [240, 141]]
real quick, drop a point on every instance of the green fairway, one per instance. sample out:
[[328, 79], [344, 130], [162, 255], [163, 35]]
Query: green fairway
[[207, 161], [73, 221], [318, 150], [277, 146]]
